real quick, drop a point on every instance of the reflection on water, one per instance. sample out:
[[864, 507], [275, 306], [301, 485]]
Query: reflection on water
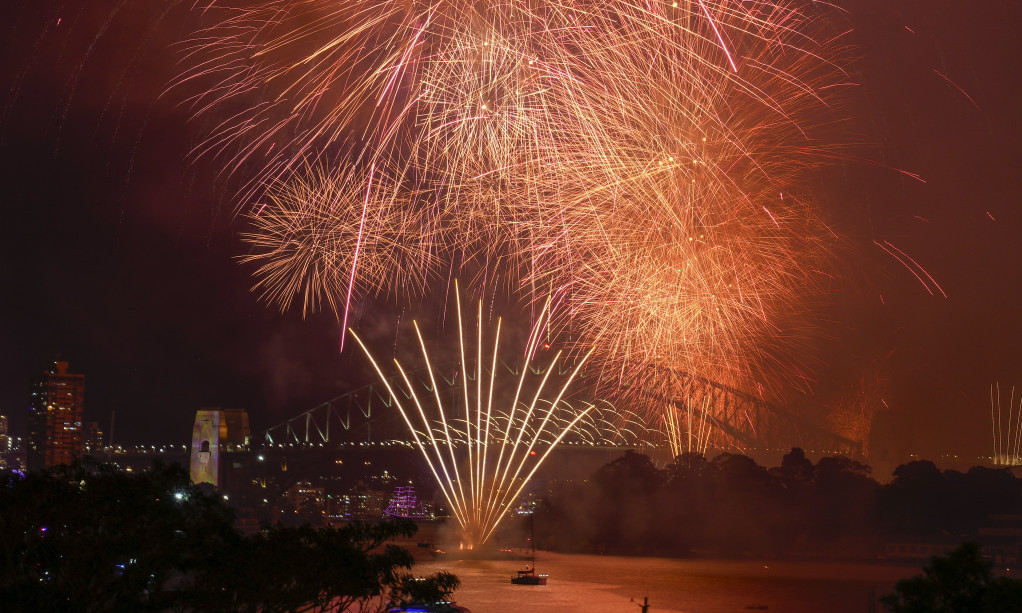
[[607, 584]]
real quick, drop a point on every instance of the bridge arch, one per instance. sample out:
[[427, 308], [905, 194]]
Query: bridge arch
[[740, 420]]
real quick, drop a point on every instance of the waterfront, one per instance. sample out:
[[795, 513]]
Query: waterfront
[[611, 584]]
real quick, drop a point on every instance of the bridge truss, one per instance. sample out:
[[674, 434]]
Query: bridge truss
[[727, 419]]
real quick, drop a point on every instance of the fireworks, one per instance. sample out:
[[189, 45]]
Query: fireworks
[[1006, 429], [688, 430], [322, 238], [483, 461], [640, 162]]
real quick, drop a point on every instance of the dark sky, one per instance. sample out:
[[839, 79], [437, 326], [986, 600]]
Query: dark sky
[[119, 252]]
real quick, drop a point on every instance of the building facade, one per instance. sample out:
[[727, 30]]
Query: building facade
[[56, 409], [209, 430], [93, 437], [215, 429], [5, 443]]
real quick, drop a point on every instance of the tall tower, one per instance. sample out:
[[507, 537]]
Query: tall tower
[[55, 417], [209, 432]]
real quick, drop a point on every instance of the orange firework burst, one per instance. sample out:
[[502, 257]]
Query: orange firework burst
[[641, 162], [325, 237]]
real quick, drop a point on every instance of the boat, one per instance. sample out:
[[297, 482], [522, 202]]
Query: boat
[[529, 575], [404, 503]]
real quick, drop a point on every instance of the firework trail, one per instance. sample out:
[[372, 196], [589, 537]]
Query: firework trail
[[688, 429], [1007, 435], [483, 465], [643, 163]]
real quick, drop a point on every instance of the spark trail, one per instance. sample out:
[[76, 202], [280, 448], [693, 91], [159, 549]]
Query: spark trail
[[688, 429], [1007, 435], [483, 461], [644, 163]]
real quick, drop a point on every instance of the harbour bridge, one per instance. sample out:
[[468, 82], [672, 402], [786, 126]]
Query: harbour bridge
[[720, 417]]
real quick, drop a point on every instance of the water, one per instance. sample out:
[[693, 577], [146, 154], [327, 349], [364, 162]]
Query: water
[[608, 584]]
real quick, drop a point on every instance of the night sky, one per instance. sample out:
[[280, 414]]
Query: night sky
[[119, 250]]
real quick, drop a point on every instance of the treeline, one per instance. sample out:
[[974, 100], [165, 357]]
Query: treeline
[[731, 505], [90, 538]]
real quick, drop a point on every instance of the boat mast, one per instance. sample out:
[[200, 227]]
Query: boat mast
[[532, 536]]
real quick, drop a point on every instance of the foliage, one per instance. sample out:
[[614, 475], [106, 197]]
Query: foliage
[[90, 538], [433, 589], [959, 583], [730, 505], [302, 568]]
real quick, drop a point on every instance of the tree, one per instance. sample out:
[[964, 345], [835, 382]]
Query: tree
[[914, 500], [431, 590], [959, 583], [684, 503], [746, 506], [847, 498], [624, 511], [90, 538], [285, 569], [795, 467]]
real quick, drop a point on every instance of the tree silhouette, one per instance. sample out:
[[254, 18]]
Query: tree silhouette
[[959, 583], [90, 538], [731, 505]]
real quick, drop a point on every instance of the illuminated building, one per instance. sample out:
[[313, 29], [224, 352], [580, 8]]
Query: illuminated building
[[93, 436], [5, 442], [55, 418], [209, 430], [365, 501], [303, 495], [215, 428]]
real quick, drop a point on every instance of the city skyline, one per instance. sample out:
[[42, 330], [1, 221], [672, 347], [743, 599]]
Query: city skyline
[[121, 254]]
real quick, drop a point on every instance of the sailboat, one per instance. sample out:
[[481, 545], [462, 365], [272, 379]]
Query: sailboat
[[529, 576]]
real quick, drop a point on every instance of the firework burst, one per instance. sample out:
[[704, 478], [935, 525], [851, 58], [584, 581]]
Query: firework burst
[[643, 163], [326, 237], [483, 460]]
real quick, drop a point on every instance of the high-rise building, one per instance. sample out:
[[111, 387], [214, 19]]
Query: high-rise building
[[5, 442], [55, 417], [93, 437]]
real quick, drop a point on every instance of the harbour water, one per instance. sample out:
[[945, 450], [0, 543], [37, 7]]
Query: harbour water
[[609, 584]]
